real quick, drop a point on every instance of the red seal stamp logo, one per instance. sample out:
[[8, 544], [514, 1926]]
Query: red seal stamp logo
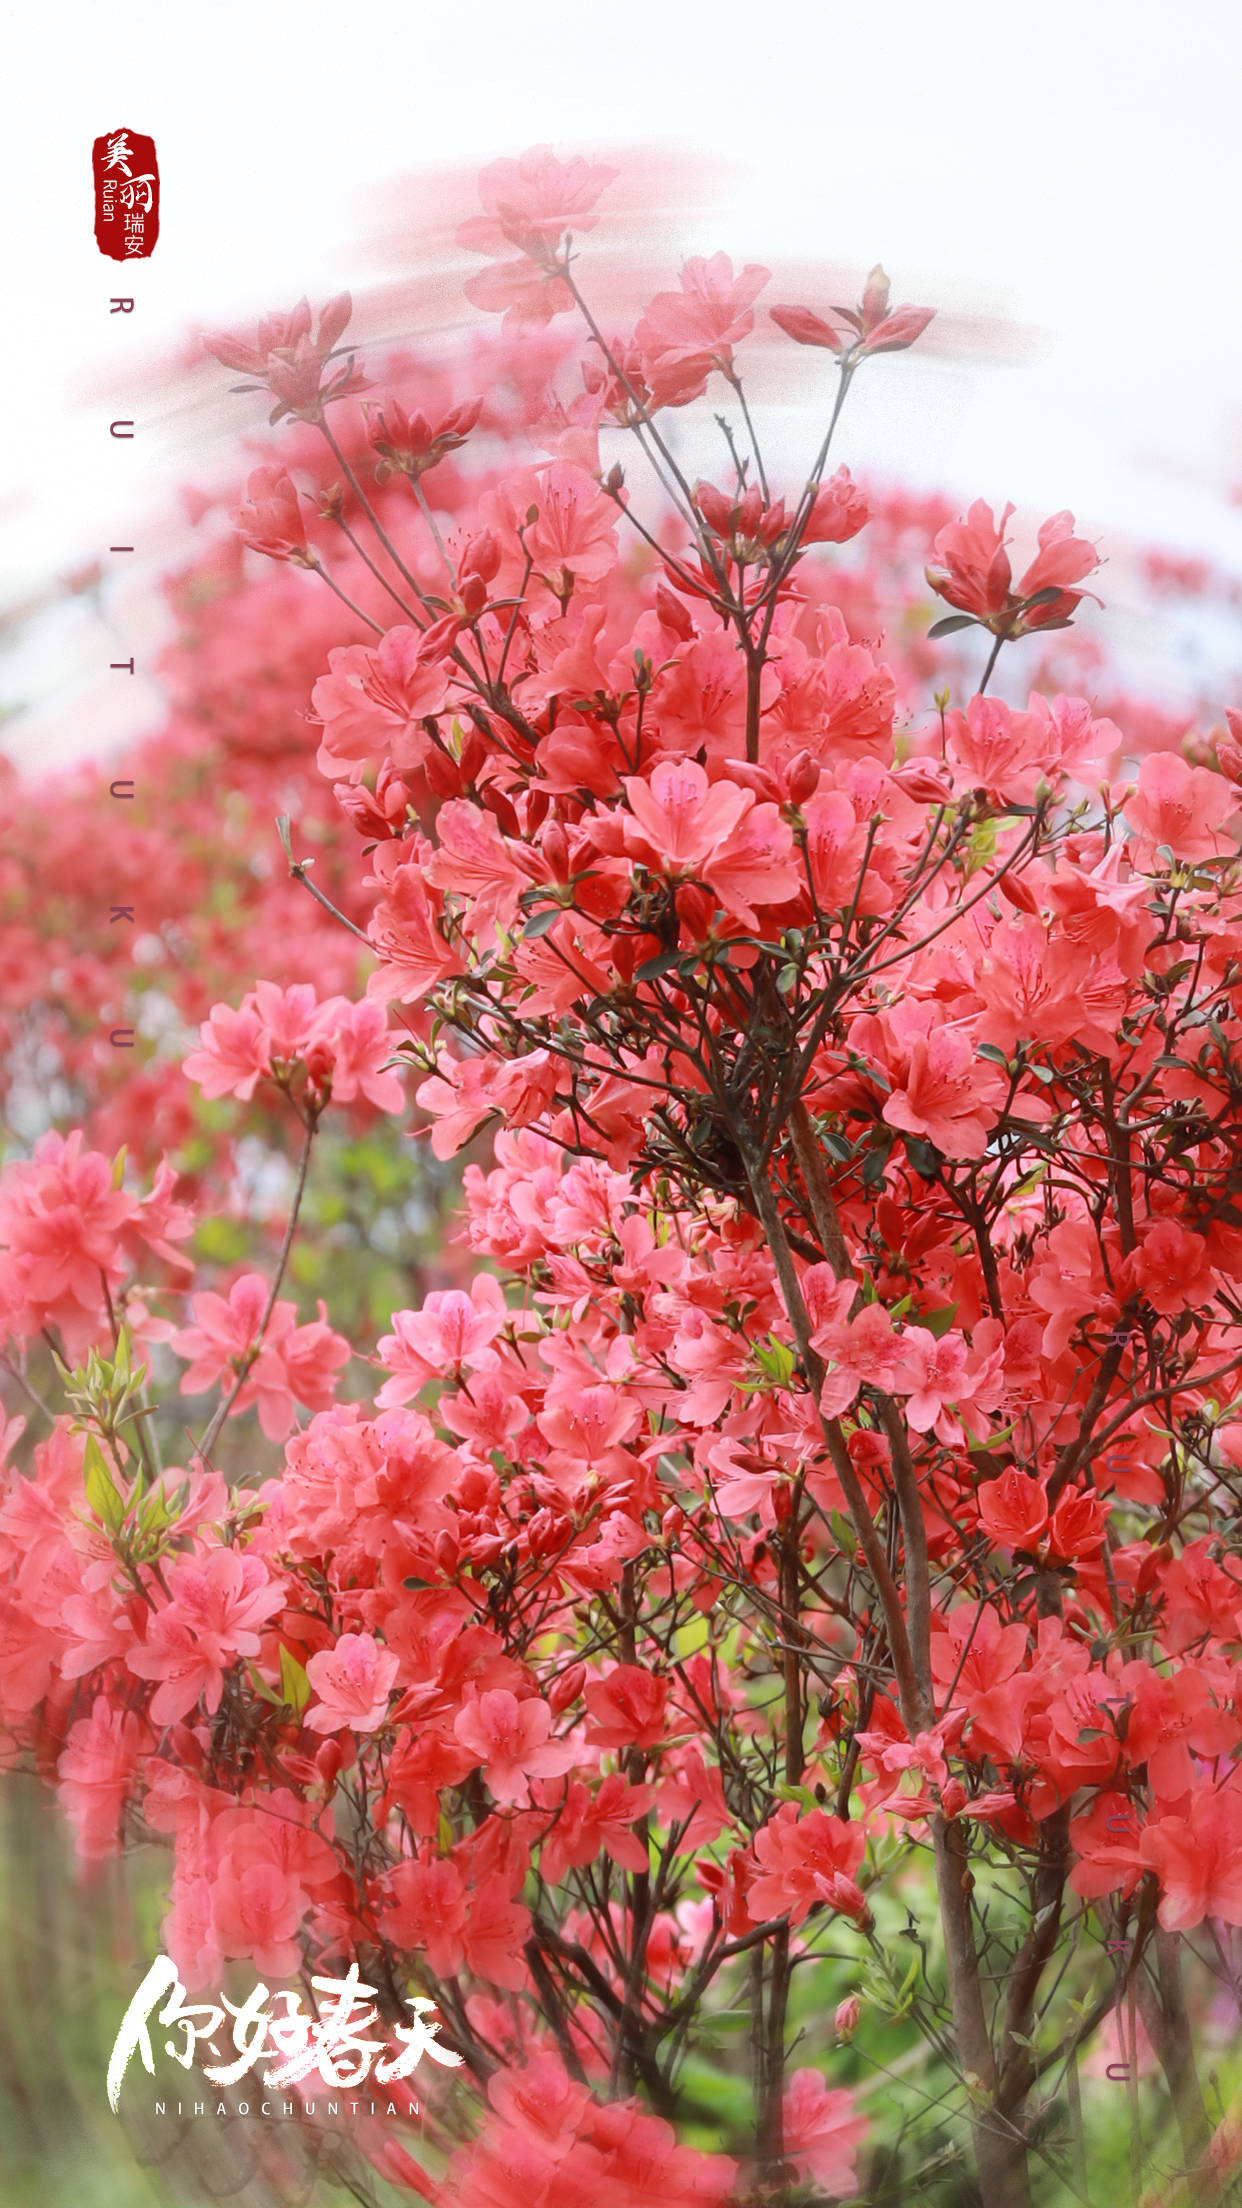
[[127, 195]]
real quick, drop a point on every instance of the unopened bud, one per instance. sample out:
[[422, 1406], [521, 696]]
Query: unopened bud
[[696, 909], [953, 1797], [673, 615], [481, 557], [544, 1533], [555, 844], [1229, 760], [926, 783], [566, 1688], [802, 778], [1018, 892], [473, 754], [716, 509], [328, 1762], [443, 775], [186, 1749], [845, 2021], [485, 1550]]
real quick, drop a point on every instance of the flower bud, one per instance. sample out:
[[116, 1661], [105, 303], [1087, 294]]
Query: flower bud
[[566, 1688], [381, 815], [673, 615], [185, 1747], [1229, 760], [555, 845], [481, 557], [545, 1532], [953, 1798], [925, 782], [845, 2021], [1018, 892], [696, 910], [443, 775], [485, 1550], [328, 1762], [716, 509], [802, 777], [473, 754]]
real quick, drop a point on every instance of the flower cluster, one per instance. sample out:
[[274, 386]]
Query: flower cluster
[[832, 1454]]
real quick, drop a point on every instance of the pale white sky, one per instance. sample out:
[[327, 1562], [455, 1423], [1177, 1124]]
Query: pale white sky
[[1073, 169]]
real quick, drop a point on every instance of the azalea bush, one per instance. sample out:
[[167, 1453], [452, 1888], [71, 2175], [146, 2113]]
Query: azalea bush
[[785, 1582]]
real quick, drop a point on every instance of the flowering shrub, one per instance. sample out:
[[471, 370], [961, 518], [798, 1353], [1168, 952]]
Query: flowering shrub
[[830, 1466]]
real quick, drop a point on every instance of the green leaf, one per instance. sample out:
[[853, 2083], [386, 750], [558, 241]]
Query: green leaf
[[777, 1360], [843, 1533], [260, 1685], [875, 1164], [924, 1157], [154, 1512], [663, 963], [981, 846], [295, 1687], [542, 922], [990, 1441], [939, 1322], [951, 623], [102, 1493]]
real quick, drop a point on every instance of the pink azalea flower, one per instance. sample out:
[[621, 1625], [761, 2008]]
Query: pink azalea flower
[[353, 1681], [217, 1602], [270, 520], [293, 1362], [510, 1740], [96, 1772], [449, 1333], [805, 1859], [357, 1041], [459, 1098], [533, 201], [822, 2133], [255, 1913], [373, 700], [945, 1092], [684, 334], [626, 1708], [233, 1053], [1180, 808], [969, 568], [404, 929], [1197, 1857]]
